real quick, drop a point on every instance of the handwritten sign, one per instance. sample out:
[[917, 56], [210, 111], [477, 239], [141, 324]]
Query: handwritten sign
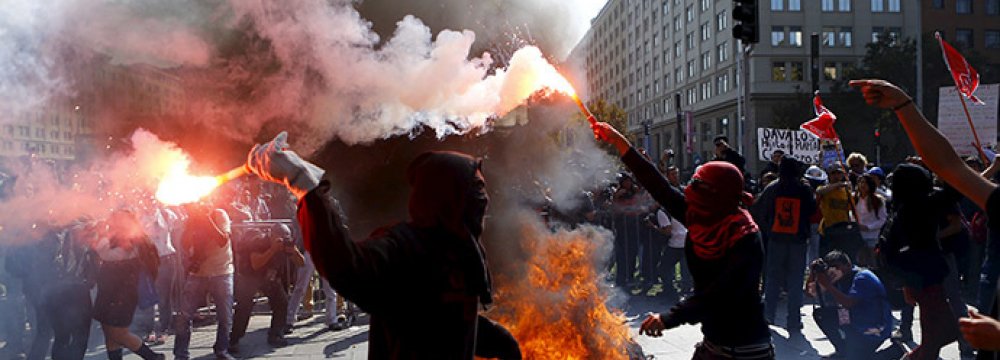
[[955, 127], [797, 144]]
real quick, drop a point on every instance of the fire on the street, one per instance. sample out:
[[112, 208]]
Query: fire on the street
[[558, 310]]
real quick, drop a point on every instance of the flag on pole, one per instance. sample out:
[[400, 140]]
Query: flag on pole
[[966, 78], [822, 125]]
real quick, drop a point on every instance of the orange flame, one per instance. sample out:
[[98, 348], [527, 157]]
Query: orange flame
[[180, 187], [558, 311]]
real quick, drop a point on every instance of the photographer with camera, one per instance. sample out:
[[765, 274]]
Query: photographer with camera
[[854, 311], [261, 264]]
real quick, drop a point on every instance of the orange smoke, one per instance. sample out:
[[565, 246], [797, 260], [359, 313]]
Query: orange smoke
[[558, 310]]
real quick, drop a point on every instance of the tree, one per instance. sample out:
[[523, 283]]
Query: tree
[[893, 60]]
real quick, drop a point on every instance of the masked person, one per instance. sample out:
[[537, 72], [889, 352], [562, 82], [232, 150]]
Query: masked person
[[724, 254], [435, 261], [982, 332]]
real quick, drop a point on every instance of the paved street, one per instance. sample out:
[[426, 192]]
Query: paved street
[[311, 340]]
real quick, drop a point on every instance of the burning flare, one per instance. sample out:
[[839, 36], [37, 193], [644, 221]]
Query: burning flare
[[180, 187]]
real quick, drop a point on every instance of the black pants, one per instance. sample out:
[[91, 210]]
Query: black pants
[[70, 310], [42, 328], [245, 288]]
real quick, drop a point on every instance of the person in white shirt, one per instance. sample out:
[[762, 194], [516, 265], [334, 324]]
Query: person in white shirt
[[872, 213], [673, 255]]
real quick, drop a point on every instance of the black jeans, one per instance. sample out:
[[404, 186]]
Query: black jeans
[[70, 316], [245, 288]]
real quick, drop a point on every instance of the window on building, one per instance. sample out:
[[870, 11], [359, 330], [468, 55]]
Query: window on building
[[706, 60], [778, 71], [894, 6], [796, 71], [844, 5], [722, 50], [689, 14], [705, 5], [795, 36], [706, 90], [963, 6], [722, 21], [829, 37], [677, 49], [877, 33], [706, 32], [992, 38], [827, 5], [689, 41], [993, 7], [678, 26], [937, 4], [878, 5], [777, 5], [895, 33], [830, 71], [691, 69], [777, 36], [964, 37], [844, 38], [794, 5], [722, 83]]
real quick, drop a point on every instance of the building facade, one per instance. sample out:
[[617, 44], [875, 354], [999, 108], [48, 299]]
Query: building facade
[[969, 24], [640, 54]]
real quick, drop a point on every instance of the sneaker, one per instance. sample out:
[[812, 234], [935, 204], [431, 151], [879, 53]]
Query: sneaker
[[305, 315], [277, 341], [288, 329], [149, 340], [160, 339]]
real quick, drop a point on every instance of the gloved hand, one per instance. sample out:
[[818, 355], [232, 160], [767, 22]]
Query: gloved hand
[[272, 161]]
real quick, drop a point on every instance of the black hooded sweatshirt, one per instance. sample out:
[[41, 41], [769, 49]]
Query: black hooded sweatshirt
[[910, 234], [422, 281]]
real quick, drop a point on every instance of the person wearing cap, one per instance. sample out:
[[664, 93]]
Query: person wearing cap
[[881, 187], [836, 227], [208, 241], [261, 261]]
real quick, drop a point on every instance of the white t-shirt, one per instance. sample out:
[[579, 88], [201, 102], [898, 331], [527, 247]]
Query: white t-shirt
[[872, 220], [158, 225], [677, 232]]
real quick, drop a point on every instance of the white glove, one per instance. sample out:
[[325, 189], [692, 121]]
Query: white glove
[[272, 161]]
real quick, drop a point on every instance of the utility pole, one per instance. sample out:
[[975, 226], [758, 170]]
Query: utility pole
[[680, 154]]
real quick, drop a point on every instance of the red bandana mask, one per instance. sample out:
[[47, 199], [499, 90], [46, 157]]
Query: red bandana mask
[[714, 216]]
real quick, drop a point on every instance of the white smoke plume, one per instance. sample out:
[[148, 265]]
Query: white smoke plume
[[314, 67]]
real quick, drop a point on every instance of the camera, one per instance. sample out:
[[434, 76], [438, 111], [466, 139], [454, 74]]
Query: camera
[[818, 266]]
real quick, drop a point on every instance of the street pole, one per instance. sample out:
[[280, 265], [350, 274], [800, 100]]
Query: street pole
[[678, 143], [814, 59]]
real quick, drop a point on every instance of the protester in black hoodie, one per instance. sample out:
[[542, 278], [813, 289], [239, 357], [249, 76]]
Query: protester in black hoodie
[[784, 208], [435, 262], [911, 248]]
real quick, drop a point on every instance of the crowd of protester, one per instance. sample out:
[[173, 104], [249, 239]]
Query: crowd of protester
[[147, 272]]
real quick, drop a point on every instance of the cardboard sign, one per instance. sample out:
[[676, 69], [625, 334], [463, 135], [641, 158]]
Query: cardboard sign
[[954, 125], [797, 144]]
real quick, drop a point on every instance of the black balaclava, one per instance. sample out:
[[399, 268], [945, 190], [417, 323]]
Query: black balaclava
[[790, 169], [448, 192]]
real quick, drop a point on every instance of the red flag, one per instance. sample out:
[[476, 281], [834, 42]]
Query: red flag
[[966, 78], [822, 125]]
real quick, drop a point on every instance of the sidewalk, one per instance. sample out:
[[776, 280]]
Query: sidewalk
[[311, 340]]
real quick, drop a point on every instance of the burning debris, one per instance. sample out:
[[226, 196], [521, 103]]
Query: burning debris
[[558, 309]]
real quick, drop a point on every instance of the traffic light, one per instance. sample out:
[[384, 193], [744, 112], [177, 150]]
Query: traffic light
[[746, 18]]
